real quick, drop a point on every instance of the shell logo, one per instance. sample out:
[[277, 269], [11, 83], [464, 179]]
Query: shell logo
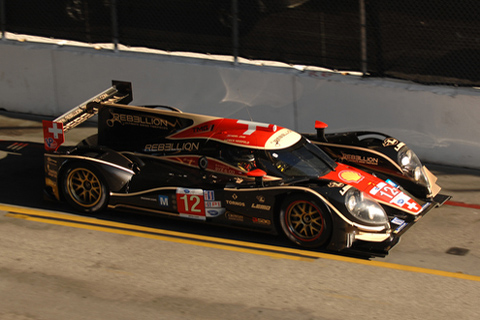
[[350, 176]]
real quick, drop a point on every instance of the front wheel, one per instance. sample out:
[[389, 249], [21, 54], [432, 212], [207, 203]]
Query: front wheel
[[84, 188], [306, 221]]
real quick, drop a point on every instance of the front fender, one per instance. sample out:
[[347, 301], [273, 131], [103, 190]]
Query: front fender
[[376, 153]]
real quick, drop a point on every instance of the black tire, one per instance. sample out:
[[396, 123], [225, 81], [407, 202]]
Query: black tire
[[84, 188], [306, 221]]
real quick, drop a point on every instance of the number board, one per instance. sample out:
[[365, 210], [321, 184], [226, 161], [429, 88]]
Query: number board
[[396, 197], [191, 203]]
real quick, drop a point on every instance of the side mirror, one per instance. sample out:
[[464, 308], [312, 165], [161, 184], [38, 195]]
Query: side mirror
[[258, 174], [320, 127]]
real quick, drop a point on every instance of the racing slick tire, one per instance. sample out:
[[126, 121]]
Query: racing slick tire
[[84, 188], [306, 221]]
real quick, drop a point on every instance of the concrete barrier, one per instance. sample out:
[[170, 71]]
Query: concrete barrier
[[440, 123]]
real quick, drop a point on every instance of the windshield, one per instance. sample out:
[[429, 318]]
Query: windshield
[[301, 160]]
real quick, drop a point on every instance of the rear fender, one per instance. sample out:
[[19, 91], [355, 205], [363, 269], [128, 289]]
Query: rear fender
[[116, 169]]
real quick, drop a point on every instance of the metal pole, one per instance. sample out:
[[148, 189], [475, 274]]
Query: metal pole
[[235, 30], [363, 38], [323, 36], [113, 13], [2, 19]]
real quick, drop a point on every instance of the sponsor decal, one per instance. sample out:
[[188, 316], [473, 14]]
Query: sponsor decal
[[235, 203], [400, 227], [277, 139], [51, 167], [209, 195], [335, 184], [390, 182], [53, 135], [211, 213], [390, 142], [282, 139], [112, 99], [148, 199], [193, 216], [377, 188], [163, 201], [397, 221], [345, 189], [203, 128], [360, 159], [225, 169], [140, 120], [213, 204], [261, 221], [261, 199], [234, 217], [350, 176], [403, 200], [232, 139], [188, 160], [399, 146], [172, 147], [52, 173], [261, 206]]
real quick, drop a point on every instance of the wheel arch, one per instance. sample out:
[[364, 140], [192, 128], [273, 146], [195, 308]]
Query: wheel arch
[[115, 176]]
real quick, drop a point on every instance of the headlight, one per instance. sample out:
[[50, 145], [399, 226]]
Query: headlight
[[412, 166], [364, 208]]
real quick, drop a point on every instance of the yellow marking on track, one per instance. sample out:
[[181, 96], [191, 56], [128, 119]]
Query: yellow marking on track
[[152, 233], [206, 241]]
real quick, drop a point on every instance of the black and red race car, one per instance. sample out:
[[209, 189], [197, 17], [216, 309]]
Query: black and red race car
[[358, 191]]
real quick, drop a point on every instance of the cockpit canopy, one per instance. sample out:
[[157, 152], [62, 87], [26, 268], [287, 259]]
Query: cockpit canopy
[[303, 159]]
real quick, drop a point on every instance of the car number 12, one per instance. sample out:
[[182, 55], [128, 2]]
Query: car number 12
[[390, 192], [191, 203]]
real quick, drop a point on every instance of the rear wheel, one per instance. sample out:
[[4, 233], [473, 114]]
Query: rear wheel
[[84, 188], [306, 221]]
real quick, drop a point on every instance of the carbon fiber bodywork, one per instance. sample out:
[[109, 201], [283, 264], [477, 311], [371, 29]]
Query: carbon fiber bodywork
[[232, 172]]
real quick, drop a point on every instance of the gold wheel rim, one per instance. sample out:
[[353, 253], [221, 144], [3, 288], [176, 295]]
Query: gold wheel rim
[[304, 220], [84, 187]]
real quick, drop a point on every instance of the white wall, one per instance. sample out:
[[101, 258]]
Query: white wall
[[440, 123]]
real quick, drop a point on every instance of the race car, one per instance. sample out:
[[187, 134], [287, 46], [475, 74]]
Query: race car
[[238, 173]]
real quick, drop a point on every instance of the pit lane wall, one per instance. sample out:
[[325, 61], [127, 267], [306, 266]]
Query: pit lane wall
[[441, 124]]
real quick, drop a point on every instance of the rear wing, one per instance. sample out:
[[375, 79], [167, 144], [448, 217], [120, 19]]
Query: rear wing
[[119, 92], [53, 131]]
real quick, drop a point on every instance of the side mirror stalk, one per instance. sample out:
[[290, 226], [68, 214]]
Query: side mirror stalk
[[258, 174], [320, 127]]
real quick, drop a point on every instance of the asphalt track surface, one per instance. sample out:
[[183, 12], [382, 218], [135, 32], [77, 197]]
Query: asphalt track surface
[[56, 264]]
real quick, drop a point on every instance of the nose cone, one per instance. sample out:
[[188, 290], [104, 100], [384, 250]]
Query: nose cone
[[378, 189]]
